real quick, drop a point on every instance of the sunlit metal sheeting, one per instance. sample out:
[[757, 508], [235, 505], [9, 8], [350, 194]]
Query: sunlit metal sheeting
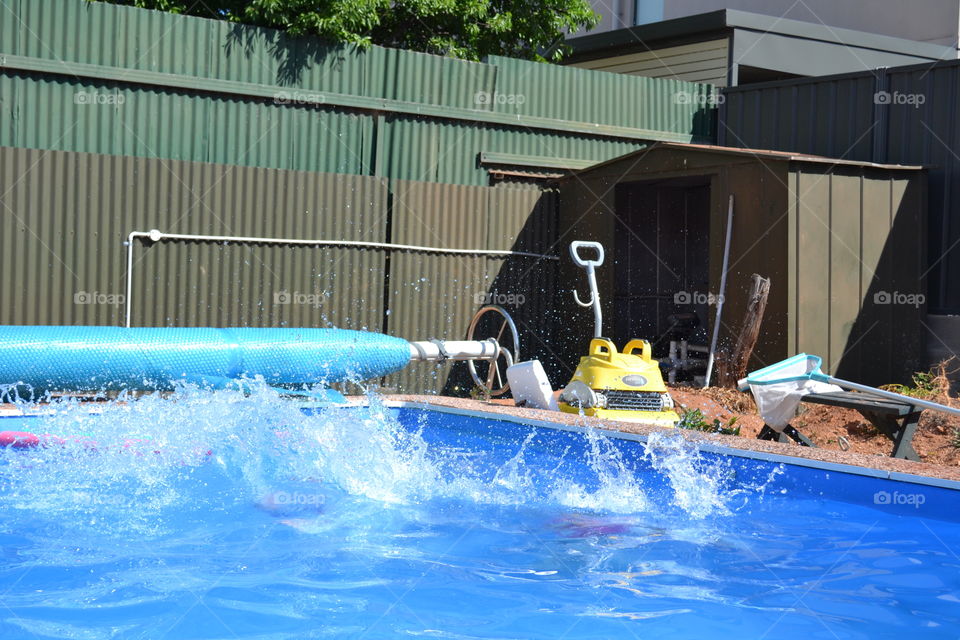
[[66, 217], [905, 115], [583, 95], [435, 296], [102, 78]]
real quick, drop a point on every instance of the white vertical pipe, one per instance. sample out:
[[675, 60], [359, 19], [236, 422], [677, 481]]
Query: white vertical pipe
[[126, 300], [723, 288]]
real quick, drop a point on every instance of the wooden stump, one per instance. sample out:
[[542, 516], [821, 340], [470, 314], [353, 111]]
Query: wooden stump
[[735, 366]]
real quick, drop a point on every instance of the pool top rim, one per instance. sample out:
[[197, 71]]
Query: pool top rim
[[827, 459]]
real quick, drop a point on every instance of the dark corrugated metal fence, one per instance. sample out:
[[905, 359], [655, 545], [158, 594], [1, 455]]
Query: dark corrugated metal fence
[[905, 115]]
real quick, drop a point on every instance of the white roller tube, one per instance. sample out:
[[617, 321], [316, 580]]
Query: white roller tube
[[439, 350]]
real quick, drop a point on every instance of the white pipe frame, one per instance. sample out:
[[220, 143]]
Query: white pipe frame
[[155, 235]]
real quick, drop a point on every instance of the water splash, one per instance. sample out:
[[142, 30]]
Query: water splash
[[698, 487], [142, 464], [702, 487], [619, 488]]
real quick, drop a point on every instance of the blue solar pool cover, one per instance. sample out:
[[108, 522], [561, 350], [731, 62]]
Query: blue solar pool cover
[[113, 358]]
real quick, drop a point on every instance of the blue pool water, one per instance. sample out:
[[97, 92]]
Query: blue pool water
[[219, 515]]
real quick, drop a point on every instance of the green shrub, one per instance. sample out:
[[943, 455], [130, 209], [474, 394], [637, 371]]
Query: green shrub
[[694, 420]]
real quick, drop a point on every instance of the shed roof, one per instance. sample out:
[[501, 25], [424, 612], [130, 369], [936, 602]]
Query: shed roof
[[759, 154]]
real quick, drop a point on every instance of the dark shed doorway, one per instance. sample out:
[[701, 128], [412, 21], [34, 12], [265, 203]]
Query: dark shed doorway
[[662, 261]]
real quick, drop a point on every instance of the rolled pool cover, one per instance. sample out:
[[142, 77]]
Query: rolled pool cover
[[57, 358]]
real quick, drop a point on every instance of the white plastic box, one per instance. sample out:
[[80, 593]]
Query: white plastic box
[[530, 387]]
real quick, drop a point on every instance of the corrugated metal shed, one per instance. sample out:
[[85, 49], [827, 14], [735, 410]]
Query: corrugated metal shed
[[902, 115], [841, 241]]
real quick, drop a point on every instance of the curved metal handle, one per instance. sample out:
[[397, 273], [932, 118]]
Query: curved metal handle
[[575, 247], [590, 267], [576, 297]]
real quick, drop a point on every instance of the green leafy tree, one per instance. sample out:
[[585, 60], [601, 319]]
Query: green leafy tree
[[468, 29]]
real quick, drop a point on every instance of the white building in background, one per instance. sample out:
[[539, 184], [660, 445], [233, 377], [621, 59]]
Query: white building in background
[[930, 21], [731, 47]]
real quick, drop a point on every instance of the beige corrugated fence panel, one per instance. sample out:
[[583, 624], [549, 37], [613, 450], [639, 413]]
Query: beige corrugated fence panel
[[67, 217], [435, 295]]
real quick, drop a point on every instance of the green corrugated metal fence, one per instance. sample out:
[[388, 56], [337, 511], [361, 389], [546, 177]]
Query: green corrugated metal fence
[[582, 95], [115, 119], [100, 78]]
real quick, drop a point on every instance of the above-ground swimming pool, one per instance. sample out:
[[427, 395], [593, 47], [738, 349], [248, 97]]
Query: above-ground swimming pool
[[223, 515]]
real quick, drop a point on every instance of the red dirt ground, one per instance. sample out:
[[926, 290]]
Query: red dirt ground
[[826, 425]]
